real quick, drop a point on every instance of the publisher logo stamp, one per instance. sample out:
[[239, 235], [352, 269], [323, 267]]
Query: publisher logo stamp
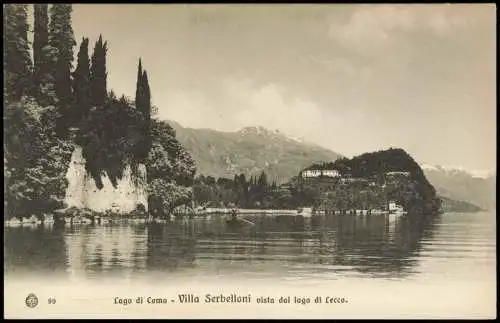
[[31, 301]]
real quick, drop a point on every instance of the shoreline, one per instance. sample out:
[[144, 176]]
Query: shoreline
[[104, 219]]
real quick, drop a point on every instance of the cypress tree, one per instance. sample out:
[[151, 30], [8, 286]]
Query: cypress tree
[[98, 74], [138, 90], [17, 60], [41, 57], [143, 105], [61, 38], [81, 82], [146, 110], [60, 49], [141, 151]]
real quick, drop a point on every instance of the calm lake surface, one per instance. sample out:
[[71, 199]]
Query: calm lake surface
[[451, 246]]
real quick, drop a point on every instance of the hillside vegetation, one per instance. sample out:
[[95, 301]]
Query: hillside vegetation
[[413, 192], [250, 151]]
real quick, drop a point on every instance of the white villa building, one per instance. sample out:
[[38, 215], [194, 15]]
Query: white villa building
[[317, 173]]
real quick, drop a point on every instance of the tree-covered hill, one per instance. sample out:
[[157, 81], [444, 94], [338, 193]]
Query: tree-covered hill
[[413, 192], [52, 104]]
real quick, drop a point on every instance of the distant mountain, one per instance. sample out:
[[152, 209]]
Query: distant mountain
[[461, 185], [250, 151], [449, 205]]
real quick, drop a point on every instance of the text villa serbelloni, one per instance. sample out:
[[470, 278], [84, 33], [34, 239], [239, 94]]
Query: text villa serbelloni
[[227, 299]]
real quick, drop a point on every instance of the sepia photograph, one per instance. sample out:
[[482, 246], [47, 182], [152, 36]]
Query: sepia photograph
[[257, 161]]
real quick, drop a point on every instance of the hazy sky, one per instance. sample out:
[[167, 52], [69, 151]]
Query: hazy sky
[[352, 78]]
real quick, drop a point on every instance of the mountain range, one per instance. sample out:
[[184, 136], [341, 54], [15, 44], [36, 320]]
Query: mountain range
[[459, 184], [252, 150]]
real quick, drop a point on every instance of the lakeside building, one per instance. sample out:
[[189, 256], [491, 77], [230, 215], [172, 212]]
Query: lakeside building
[[330, 190], [313, 173]]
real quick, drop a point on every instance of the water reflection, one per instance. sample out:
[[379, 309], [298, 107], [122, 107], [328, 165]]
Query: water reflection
[[259, 245], [171, 247], [35, 248], [381, 245]]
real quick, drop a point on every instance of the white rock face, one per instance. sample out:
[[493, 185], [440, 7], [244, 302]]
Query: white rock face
[[82, 191]]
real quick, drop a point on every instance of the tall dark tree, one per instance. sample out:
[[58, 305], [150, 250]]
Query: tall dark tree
[[98, 73], [143, 105], [143, 92], [139, 90], [61, 42], [17, 59], [61, 38], [147, 110], [146, 96], [81, 83], [41, 50]]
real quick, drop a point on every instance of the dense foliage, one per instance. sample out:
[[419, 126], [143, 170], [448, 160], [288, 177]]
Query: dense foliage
[[17, 66], [50, 106], [109, 136], [170, 171], [254, 193], [36, 161]]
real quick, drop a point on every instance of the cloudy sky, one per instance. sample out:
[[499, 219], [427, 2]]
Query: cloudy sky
[[352, 78]]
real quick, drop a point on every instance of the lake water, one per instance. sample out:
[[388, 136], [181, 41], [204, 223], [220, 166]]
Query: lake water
[[452, 246]]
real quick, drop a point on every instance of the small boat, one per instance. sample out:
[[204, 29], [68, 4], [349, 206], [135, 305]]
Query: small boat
[[235, 221]]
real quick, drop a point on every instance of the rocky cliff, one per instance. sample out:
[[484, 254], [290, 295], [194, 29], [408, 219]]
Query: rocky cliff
[[124, 197]]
